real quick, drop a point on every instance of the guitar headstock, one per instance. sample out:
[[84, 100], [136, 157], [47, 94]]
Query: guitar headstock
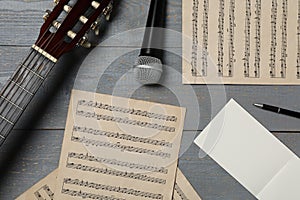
[[68, 23]]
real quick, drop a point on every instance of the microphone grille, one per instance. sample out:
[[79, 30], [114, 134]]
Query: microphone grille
[[147, 70]]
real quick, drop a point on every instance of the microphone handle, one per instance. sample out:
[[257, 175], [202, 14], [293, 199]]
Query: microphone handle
[[153, 37]]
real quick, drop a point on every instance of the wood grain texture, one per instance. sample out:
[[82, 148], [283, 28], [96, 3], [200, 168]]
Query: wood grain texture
[[32, 151], [20, 20], [36, 154], [102, 68]]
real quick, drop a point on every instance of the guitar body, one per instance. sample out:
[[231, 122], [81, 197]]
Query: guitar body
[[65, 28]]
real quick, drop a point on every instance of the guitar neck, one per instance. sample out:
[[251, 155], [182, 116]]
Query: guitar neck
[[21, 88]]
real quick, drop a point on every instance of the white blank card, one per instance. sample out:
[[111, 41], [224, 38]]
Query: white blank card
[[250, 153]]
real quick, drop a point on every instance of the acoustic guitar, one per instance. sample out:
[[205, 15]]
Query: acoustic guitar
[[65, 27]]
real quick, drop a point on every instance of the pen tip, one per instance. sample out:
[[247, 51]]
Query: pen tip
[[258, 105]]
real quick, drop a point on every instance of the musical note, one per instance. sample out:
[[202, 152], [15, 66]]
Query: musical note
[[221, 37], [194, 59], [221, 40], [111, 172], [120, 147], [232, 26], [273, 38], [200, 69], [284, 38], [44, 190], [183, 190], [247, 39], [257, 38], [110, 139], [130, 111], [122, 190], [245, 44], [249, 45], [204, 56], [122, 136], [87, 195], [124, 121], [91, 158], [180, 192]]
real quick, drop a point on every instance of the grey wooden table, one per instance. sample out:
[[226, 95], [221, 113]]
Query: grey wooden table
[[32, 150]]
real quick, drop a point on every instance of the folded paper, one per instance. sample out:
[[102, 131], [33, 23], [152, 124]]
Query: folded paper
[[248, 151]]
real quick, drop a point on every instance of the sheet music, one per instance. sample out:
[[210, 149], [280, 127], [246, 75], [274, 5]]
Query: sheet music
[[117, 148], [184, 189], [43, 190], [241, 42]]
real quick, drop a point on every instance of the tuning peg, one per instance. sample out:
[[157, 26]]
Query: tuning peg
[[95, 4], [56, 24], [96, 26], [67, 8], [108, 16], [97, 31], [56, 1], [46, 15], [107, 11], [85, 43]]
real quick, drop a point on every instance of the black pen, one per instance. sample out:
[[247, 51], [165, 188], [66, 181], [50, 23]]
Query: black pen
[[278, 110]]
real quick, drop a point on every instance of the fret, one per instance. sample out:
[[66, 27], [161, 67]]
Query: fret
[[12, 103], [16, 95], [40, 63], [1, 141], [6, 120], [20, 89], [19, 86], [33, 72], [5, 127], [9, 111]]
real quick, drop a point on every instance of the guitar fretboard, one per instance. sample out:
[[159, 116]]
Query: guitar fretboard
[[20, 89]]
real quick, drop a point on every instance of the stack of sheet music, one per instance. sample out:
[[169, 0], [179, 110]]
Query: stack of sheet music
[[115, 149]]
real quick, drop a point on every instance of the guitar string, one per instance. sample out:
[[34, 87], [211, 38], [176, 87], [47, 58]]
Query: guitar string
[[31, 82], [9, 86], [44, 45], [26, 76], [36, 57], [9, 83]]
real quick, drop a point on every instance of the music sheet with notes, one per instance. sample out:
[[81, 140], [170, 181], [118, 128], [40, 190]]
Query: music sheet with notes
[[182, 189], [119, 148], [43, 190], [241, 42]]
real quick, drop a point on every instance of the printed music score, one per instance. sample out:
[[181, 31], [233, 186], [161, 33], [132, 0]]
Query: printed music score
[[182, 190], [43, 190], [116, 148], [241, 42]]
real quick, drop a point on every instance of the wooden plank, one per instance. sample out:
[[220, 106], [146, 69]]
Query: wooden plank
[[28, 156], [103, 68], [213, 182], [20, 21]]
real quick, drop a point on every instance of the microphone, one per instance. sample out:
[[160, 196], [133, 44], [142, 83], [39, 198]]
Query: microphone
[[148, 66]]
